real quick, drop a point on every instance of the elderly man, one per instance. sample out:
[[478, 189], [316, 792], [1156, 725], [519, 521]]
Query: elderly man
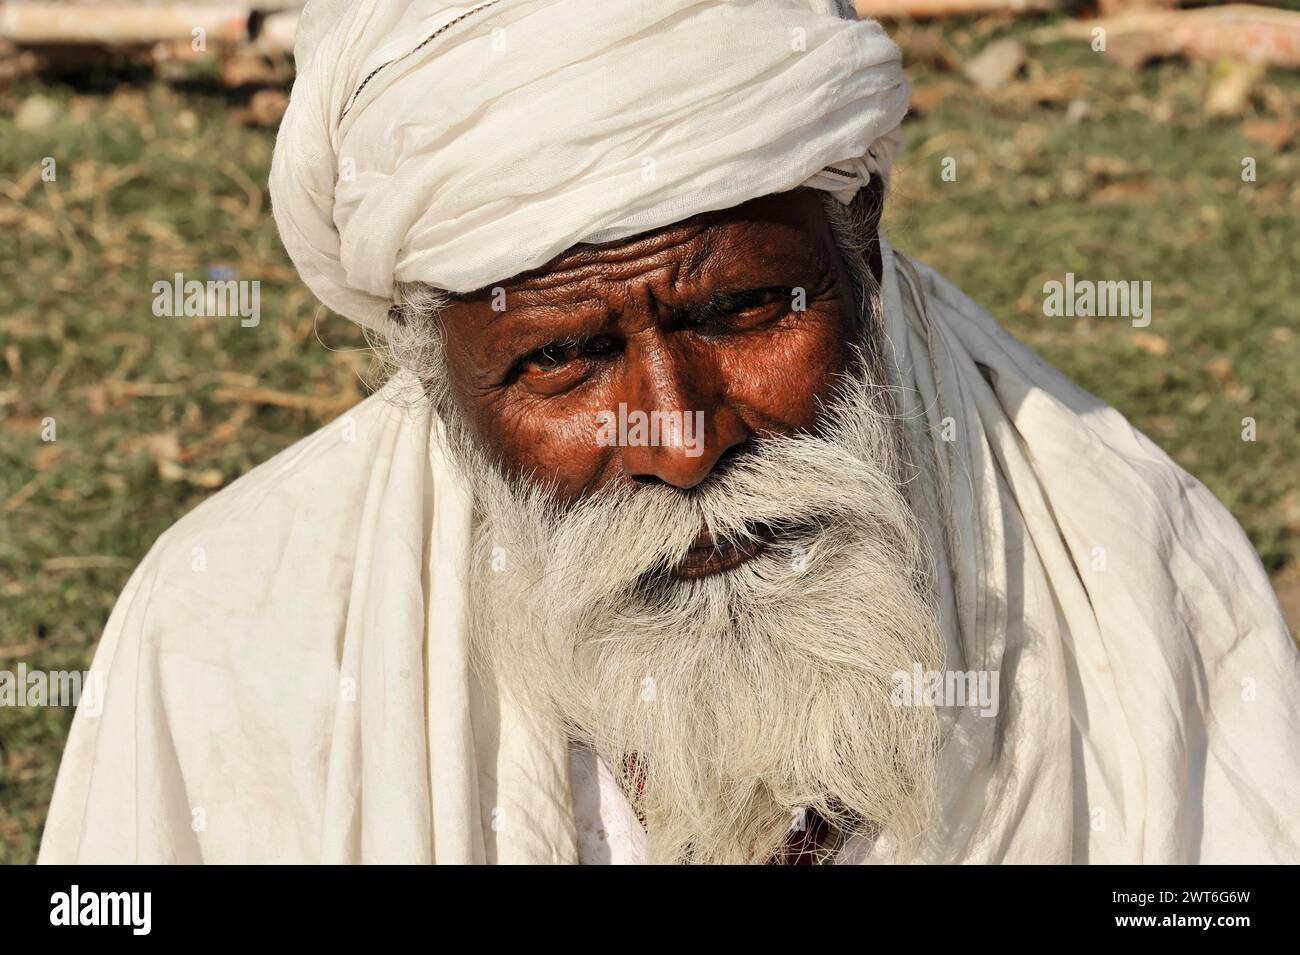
[[696, 524]]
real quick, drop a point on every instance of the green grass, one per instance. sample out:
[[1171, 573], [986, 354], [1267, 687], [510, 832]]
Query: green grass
[[152, 414]]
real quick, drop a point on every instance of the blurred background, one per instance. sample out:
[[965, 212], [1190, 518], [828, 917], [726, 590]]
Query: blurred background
[[135, 140]]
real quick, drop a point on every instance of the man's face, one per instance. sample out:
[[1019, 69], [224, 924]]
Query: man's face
[[745, 316], [735, 627]]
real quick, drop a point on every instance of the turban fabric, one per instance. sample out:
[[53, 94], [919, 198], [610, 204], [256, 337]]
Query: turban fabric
[[462, 144]]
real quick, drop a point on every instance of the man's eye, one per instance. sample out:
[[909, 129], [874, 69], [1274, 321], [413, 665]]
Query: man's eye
[[557, 355], [550, 357], [766, 300], [738, 310]]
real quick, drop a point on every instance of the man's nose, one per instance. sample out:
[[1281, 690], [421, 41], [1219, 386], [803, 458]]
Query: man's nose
[[687, 424]]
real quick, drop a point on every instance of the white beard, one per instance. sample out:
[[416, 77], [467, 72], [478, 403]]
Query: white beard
[[750, 697]]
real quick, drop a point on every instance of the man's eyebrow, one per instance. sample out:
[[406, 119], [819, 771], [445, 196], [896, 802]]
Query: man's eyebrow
[[730, 301], [543, 318], [537, 310], [535, 325], [538, 325]]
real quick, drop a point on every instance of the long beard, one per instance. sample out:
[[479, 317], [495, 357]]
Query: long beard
[[738, 704]]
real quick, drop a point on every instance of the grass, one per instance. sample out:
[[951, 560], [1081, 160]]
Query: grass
[[152, 414]]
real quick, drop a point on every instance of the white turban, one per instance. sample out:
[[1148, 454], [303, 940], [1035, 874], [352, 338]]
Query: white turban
[[460, 145]]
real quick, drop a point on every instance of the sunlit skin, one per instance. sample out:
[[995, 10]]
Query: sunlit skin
[[696, 316]]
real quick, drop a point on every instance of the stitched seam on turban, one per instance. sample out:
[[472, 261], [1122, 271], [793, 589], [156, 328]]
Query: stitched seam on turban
[[417, 48]]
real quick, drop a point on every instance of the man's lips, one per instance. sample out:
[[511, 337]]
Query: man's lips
[[708, 556]]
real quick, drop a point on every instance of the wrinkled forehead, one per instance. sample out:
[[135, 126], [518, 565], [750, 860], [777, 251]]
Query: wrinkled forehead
[[782, 231]]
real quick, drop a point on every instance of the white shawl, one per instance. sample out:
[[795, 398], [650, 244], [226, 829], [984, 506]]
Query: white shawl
[[287, 677]]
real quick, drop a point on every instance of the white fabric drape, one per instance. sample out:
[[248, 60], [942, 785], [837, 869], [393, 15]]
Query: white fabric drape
[[286, 672], [286, 678], [1150, 689]]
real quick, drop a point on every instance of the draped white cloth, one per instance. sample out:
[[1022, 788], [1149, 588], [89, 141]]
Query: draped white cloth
[[287, 679], [462, 144], [286, 673], [1150, 707]]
